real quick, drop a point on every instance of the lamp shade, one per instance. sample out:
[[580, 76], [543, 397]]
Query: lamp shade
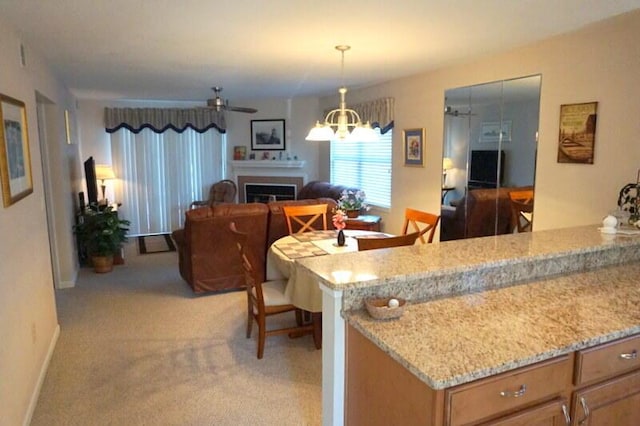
[[104, 171], [447, 163]]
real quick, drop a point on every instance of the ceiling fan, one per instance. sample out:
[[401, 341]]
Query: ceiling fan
[[223, 105]]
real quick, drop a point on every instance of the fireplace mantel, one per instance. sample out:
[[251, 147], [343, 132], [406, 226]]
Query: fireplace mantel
[[268, 164], [289, 168]]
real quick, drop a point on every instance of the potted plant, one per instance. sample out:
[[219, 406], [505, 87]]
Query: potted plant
[[352, 202], [102, 233]]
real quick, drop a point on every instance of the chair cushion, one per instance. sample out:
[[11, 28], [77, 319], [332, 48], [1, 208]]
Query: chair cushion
[[273, 293]]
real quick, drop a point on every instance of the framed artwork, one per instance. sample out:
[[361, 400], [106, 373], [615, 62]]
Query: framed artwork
[[267, 135], [15, 159], [490, 131], [577, 133], [239, 152], [413, 142]]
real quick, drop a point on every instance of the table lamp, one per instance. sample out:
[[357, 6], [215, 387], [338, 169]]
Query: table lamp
[[447, 164], [104, 172]]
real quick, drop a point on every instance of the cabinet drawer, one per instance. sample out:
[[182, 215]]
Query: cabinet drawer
[[489, 397], [607, 360]]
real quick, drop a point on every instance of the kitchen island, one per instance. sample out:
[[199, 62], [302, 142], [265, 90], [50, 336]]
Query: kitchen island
[[471, 269]]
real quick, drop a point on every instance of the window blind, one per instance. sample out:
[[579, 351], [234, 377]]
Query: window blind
[[364, 165]]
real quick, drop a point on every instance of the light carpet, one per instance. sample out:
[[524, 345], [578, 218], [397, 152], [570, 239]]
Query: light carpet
[[137, 347]]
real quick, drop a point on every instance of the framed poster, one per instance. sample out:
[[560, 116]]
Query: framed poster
[[490, 131], [267, 135], [15, 159], [413, 142], [577, 132]]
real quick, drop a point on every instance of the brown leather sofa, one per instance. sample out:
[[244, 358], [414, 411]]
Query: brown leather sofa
[[207, 255], [480, 208], [321, 189]]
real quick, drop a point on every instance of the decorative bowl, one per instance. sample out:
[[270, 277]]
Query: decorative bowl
[[378, 307]]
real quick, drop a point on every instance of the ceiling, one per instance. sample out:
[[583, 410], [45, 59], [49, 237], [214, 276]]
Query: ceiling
[[178, 50]]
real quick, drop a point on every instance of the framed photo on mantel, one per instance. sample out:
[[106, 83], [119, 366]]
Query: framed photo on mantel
[[267, 135]]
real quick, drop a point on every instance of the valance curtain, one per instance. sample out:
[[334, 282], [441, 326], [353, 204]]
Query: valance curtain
[[379, 113], [161, 119]]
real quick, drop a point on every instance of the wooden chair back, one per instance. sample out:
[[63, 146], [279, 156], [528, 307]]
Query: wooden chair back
[[521, 203], [305, 218], [258, 308], [386, 242], [421, 222]]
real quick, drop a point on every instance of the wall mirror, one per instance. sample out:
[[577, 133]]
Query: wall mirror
[[489, 152]]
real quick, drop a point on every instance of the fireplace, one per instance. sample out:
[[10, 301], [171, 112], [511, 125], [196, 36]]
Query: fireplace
[[264, 181], [265, 192], [263, 189]]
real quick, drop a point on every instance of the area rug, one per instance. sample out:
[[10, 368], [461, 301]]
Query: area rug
[[155, 244]]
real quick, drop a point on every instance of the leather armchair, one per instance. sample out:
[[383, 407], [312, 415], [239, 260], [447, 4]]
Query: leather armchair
[[206, 249], [220, 192], [321, 189], [474, 215]]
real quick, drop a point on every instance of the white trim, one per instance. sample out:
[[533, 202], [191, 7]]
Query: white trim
[[333, 356], [43, 372]]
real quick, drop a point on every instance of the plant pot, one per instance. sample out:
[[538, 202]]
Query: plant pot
[[102, 264], [353, 213]]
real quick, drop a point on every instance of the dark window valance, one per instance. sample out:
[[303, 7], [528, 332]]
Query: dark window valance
[[379, 113], [161, 119]]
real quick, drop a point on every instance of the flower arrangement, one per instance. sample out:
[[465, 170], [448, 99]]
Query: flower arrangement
[[352, 200], [338, 220]]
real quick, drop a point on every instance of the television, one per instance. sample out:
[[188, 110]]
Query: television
[[91, 181], [483, 171]]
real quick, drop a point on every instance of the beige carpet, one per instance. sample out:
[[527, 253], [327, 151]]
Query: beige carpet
[[138, 348]]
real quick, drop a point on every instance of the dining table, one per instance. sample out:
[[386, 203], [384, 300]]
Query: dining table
[[302, 289]]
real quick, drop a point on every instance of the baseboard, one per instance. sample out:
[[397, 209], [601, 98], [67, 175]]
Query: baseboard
[[68, 284], [43, 372]]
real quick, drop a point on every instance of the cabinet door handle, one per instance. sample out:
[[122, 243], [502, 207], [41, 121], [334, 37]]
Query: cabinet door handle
[[632, 355], [585, 410], [565, 411], [515, 394]]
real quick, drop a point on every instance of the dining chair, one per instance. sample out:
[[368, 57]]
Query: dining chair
[[521, 210], [265, 299], [421, 222], [386, 242], [305, 218]]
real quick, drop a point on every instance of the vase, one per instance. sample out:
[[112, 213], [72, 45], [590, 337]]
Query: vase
[[353, 213], [340, 238]]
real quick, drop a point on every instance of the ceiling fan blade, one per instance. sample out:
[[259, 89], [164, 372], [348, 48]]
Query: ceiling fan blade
[[241, 109]]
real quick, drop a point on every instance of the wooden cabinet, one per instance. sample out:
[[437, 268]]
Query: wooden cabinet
[[608, 384], [603, 386], [508, 392], [364, 223]]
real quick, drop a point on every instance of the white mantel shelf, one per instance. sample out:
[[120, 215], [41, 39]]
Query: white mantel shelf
[[268, 164]]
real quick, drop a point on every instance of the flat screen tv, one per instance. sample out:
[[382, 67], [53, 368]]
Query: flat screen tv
[[484, 168], [91, 181]]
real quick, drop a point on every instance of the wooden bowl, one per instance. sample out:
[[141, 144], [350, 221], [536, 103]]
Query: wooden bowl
[[378, 307]]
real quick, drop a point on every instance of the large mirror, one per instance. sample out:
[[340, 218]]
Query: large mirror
[[489, 158]]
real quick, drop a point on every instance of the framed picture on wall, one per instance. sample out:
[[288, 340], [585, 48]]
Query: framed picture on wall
[[413, 142], [490, 131], [577, 133], [267, 135], [15, 159]]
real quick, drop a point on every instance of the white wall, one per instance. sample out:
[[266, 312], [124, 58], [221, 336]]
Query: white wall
[[600, 63], [28, 320]]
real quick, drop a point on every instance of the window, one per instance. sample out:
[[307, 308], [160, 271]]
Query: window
[[160, 174], [364, 165]]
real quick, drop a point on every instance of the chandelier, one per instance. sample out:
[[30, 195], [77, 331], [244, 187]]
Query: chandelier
[[342, 119]]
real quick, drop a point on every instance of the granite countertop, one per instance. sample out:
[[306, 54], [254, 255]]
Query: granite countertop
[[455, 340], [426, 272]]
